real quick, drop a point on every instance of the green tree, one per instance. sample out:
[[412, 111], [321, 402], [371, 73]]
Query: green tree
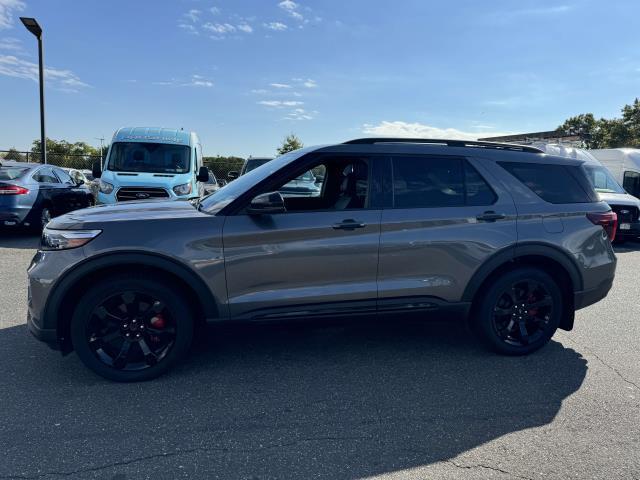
[[289, 144], [14, 154], [608, 133]]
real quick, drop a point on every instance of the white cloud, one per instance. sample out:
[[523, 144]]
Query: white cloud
[[11, 44], [277, 26], [198, 81], [189, 28], [292, 9], [245, 28], [194, 81], [288, 5], [193, 15], [221, 28], [259, 91], [419, 130], [280, 103], [310, 83], [8, 9], [215, 10], [300, 114], [65, 80], [280, 85]]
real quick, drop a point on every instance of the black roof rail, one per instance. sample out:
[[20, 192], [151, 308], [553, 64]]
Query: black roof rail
[[448, 143]]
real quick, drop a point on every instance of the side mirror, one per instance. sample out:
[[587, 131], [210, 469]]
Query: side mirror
[[96, 169], [267, 204], [232, 175], [203, 175]]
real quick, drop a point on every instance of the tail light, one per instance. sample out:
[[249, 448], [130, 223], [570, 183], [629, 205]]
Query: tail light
[[13, 190], [607, 220]]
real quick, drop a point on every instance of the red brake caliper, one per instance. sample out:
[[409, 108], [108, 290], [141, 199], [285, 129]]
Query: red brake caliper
[[158, 322]]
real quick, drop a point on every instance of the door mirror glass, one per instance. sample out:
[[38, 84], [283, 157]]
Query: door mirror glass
[[267, 204], [96, 170], [203, 175]]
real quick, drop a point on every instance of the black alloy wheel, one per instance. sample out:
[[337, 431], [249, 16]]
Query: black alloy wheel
[[132, 327], [519, 311], [523, 312], [131, 331]]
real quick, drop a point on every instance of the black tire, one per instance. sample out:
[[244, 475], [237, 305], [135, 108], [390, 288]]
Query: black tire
[[522, 326], [102, 328]]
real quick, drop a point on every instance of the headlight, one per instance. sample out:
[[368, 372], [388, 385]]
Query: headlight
[[183, 189], [65, 239], [105, 187]]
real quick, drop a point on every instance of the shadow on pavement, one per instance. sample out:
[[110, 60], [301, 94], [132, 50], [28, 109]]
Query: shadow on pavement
[[277, 402], [19, 239]]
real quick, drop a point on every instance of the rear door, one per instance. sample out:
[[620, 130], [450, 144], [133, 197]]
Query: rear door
[[318, 258], [442, 220]]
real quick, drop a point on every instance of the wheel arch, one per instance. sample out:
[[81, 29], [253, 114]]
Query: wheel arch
[[548, 258], [61, 303]]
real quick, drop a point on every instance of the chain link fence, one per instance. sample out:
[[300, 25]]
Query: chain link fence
[[78, 162], [220, 166]]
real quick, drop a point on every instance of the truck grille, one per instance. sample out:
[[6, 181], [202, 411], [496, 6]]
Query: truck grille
[[626, 213], [140, 193]]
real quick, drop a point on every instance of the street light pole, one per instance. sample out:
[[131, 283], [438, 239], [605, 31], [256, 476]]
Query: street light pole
[[32, 25]]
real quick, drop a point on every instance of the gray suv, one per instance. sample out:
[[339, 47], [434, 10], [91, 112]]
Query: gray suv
[[510, 238]]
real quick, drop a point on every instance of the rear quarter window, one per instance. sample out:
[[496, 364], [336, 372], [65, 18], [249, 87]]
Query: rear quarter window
[[554, 183]]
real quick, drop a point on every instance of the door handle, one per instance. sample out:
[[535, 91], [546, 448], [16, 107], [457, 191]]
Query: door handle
[[490, 216], [348, 225]]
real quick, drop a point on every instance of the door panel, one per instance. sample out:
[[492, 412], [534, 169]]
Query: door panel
[[300, 264], [433, 252]]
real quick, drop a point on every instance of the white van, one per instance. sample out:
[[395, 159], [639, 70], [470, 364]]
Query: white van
[[624, 164], [627, 207]]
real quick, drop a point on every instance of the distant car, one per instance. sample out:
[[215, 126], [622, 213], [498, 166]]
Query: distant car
[[31, 194], [302, 186], [211, 185]]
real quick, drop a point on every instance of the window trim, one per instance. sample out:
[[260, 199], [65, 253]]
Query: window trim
[[466, 164]]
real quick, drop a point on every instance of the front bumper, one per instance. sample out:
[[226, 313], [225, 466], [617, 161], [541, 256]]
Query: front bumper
[[632, 231], [46, 335]]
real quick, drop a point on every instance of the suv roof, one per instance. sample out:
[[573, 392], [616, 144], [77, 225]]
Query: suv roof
[[448, 143]]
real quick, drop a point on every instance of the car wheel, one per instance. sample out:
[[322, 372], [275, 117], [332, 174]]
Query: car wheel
[[131, 329], [519, 312], [45, 217]]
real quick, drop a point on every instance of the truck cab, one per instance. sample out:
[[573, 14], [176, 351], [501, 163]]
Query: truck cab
[[147, 163]]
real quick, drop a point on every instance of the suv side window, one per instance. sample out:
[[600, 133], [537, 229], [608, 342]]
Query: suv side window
[[339, 183], [553, 183], [45, 175], [427, 182]]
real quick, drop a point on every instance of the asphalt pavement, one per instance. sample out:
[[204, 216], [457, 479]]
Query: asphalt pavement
[[396, 401]]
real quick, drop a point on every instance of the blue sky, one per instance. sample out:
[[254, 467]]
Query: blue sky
[[243, 74]]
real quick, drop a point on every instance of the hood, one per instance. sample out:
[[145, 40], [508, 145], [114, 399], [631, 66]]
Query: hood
[[94, 217], [146, 179], [619, 199]]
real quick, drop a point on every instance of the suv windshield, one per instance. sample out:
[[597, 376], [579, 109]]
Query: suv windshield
[[227, 194], [602, 180], [149, 157]]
